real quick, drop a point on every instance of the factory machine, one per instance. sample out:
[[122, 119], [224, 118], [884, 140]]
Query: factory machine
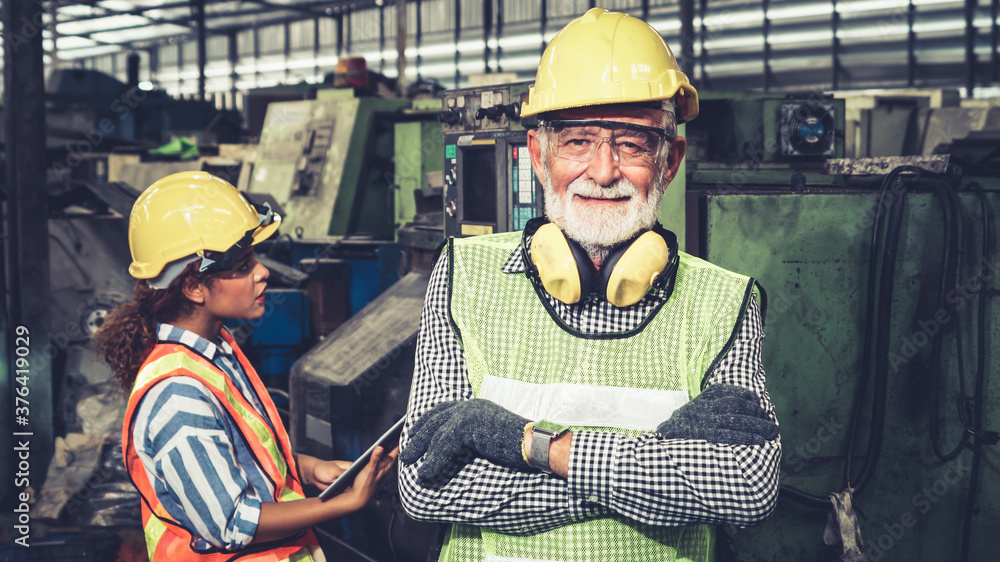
[[880, 274], [88, 112], [335, 254], [351, 387], [330, 153], [887, 331], [489, 184], [354, 383]]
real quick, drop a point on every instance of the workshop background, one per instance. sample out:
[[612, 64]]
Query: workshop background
[[847, 155]]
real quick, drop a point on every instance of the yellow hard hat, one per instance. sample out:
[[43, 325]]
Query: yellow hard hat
[[608, 57], [188, 212]]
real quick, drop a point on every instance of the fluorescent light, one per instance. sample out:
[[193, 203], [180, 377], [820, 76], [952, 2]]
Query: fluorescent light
[[800, 11], [531, 40], [139, 33], [98, 25], [799, 38], [931, 27], [735, 42], [89, 52]]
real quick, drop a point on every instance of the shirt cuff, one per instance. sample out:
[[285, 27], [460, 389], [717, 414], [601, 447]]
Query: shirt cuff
[[243, 525], [591, 461]]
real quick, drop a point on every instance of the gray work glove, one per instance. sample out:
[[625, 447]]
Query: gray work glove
[[451, 430], [723, 413]]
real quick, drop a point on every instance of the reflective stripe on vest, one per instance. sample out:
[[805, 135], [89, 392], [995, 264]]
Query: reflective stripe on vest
[[167, 540], [528, 361]]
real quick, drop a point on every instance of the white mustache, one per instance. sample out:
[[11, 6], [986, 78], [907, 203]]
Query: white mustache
[[585, 187]]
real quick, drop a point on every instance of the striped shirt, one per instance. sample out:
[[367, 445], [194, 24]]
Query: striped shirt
[[650, 480], [203, 473]]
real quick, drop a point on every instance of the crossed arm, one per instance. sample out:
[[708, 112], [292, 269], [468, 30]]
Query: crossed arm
[[646, 478]]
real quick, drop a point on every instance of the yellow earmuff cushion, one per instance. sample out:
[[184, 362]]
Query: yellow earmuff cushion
[[553, 258], [637, 269]]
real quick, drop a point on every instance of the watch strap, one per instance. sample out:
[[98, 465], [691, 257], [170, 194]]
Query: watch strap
[[542, 435]]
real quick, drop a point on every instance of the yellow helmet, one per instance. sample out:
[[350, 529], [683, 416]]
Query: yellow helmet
[[608, 57], [187, 213]]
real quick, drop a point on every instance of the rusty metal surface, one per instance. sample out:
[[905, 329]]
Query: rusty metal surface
[[880, 165]]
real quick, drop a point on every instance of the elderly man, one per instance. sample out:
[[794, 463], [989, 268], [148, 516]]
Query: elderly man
[[583, 390]]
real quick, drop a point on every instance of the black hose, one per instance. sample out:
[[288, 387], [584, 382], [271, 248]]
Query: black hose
[[951, 264], [866, 354], [878, 412], [880, 307], [979, 437], [805, 498], [880, 386], [962, 400]]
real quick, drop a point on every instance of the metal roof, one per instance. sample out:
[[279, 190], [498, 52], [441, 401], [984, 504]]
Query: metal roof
[[95, 27]]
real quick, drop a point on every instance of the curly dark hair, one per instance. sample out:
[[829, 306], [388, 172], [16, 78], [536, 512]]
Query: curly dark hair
[[128, 334]]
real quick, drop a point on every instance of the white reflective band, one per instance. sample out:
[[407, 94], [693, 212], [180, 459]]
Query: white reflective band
[[640, 409], [491, 558]]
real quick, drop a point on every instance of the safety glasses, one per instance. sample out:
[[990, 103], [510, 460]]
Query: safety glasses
[[227, 260], [579, 140]]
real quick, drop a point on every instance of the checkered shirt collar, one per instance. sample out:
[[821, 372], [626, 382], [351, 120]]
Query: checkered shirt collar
[[515, 264]]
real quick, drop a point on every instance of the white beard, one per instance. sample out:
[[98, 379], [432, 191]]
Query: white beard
[[599, 228]]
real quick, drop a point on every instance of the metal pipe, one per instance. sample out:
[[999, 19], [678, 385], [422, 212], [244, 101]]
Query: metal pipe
[[487, 31], [232, 46], [401, 47], [995, 39], [766, 31], [458, 37], [687, 35], [911, 46], [348, 30], [316, 42], [381, 38], [499, 34], [198, 7], [54, 29], [340, 35], [970, 47], [132, 69], [26, 240], [420, 35], [703, 36], [154, 65], [835, 47], [286, 49], [543, 21]]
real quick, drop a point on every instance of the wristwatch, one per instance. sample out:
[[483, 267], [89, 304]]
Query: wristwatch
[[542, 435]]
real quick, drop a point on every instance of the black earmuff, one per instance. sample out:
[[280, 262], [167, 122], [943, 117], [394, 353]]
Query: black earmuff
[[584, 268]]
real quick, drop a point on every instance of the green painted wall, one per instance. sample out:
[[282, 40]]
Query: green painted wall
[[810, 252]]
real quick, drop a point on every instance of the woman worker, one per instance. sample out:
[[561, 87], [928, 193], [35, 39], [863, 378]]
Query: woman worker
[[202, 439]]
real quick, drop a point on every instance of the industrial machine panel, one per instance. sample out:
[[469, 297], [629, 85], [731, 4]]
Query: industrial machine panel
[[325, 160], [489, 183]]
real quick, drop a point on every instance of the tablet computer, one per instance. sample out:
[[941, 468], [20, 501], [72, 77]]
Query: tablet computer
[[386, 441]]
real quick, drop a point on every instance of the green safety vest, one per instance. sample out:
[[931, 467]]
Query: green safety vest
[[519, 356]]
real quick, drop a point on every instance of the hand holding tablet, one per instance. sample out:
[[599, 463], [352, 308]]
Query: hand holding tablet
[[386, 441]]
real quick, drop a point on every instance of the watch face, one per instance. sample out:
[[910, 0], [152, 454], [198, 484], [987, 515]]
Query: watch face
[[551, 427]]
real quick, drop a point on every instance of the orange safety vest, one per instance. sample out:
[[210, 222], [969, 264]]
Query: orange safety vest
[[167, 540]]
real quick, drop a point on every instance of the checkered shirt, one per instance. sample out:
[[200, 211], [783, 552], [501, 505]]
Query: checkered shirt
[[650, 480]]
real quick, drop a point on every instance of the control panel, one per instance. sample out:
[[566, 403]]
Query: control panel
[[489, 185]]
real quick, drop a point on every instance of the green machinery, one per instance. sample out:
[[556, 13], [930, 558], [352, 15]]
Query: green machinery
[[806, 236], [419, 182], [331, 153]]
